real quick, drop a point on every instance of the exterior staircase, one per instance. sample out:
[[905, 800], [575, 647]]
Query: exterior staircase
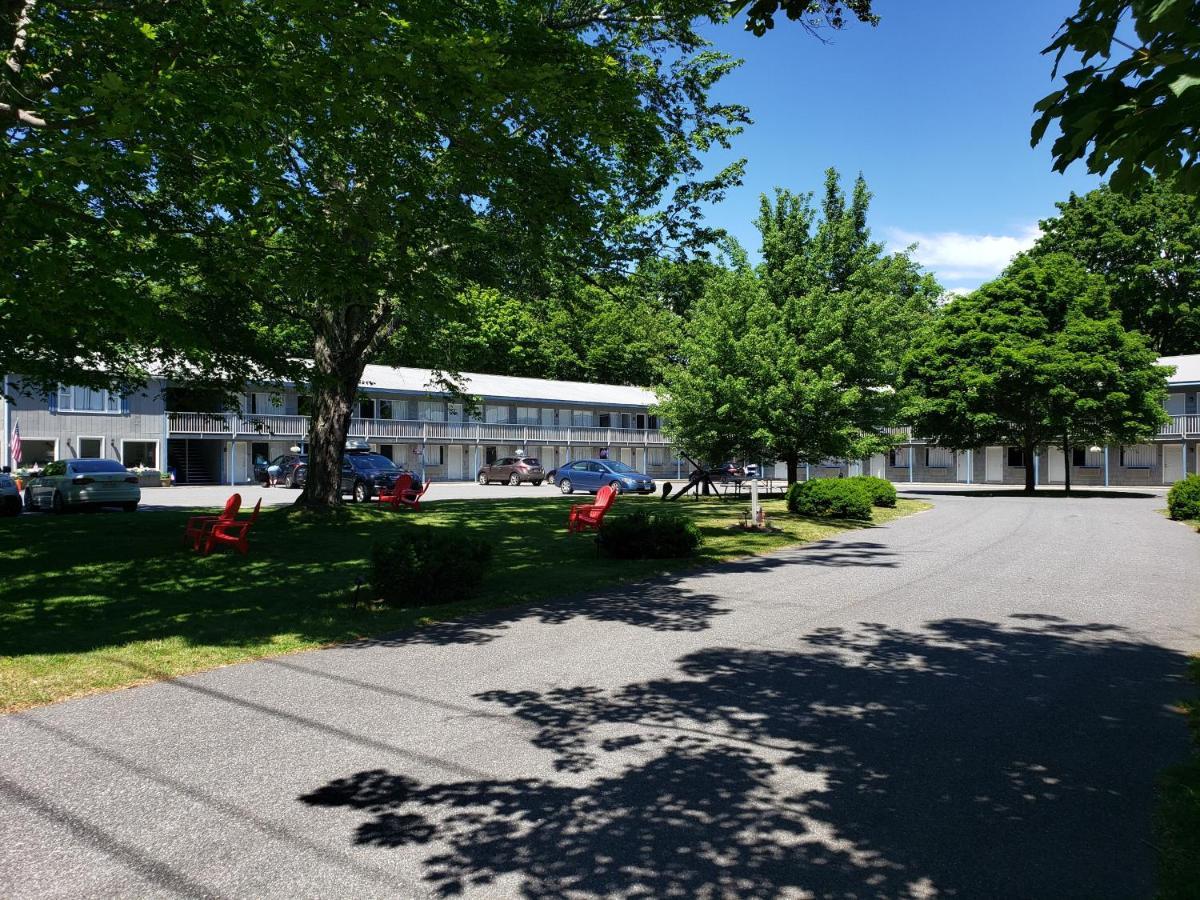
[[189, 459]]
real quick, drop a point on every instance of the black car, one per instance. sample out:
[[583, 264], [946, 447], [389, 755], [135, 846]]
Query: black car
[[363, 474], [288, 464]]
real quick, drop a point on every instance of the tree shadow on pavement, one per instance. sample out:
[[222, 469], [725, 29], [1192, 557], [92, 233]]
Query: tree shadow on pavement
[[963, 759]]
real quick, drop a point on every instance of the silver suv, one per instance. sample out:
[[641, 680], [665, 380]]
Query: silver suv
[[513, 470]]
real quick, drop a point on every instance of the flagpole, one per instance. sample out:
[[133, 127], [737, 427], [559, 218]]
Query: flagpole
[[6, 459]]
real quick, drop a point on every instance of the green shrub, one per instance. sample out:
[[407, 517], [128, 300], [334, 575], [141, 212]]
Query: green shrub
[[833, 498], [643, 534], [882, 491], [427, 566], [1177, 818], [1183, 500]]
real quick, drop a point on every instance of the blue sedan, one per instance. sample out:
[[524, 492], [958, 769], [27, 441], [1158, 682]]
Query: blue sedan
[[592, 474]]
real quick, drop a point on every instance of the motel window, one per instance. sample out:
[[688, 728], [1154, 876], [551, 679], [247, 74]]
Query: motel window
[[581, 418], [497, 415], [656, 456], [652, 422], [1016, 458], [91, 448], [898, 458], [384, 410], [304, 405], [528, 415], [365, 409], [139, 453], [264, 404], [604, 420], [430, 411], [640, 421], [1083, 458], [1189, 403], [82, 399], [1137, 456], [939, 457]]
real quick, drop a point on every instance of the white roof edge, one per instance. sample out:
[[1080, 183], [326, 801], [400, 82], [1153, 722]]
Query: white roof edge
[[1187, 368]]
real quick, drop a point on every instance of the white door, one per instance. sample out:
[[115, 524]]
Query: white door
[[1172, 463], [993, 464], [1058, 467], [962, 471], [454, 463], [879, 465]]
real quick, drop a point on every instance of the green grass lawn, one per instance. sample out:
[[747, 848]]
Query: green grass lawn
[[98, 601]]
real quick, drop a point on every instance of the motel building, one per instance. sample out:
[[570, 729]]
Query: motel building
[[405, 416]]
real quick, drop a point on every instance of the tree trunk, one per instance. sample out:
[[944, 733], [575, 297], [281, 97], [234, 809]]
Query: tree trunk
[[793, 469], [335, 385], [1067, 462], [1030, 463]]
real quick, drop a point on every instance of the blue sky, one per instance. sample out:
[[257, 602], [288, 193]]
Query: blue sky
[[933, 106]]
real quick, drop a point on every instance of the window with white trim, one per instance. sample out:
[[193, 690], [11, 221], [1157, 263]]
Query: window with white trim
[[528, 415], [939, 458], [430, 411], [1189, 403], [1137, 456], [82, 399], [497, 415], [898, 457], [1086, 458], [91, 448], [139, 453], [581, 418]]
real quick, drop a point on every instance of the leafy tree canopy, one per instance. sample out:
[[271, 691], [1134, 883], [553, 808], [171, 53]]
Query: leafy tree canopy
[[1132, 106], [1035, 357], [1146, 244]]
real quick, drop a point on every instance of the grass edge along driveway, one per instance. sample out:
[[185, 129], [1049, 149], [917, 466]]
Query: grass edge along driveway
[[96, 602]]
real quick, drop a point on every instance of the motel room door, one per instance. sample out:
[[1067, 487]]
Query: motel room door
[[1172, 463], [1058, 467], [993, 464]]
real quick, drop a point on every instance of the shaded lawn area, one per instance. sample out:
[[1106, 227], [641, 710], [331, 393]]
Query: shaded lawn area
[[98, 601]]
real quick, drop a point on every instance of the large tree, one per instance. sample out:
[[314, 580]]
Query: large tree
[[1036, 357], [825, 319], [1146, 244], [1132, 106], [338, 174]]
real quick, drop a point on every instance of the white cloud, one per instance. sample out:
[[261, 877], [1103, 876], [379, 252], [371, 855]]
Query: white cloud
[[969, 259]]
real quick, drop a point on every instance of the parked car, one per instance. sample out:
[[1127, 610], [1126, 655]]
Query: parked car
[[288, 464], [727, 471], [363, 474], [513, 470], [67, 483], [10, 497], [592, 474]]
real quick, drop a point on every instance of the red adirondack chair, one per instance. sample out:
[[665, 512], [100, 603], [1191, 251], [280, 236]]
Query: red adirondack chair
[[589, 515], [411, 497], [198, 525], [402, 483], [231, 533]]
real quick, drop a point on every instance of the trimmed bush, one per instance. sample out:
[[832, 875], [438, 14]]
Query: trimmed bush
[[830, 498], [1183, 500], [427, 566], [882, 491], [643, 534]]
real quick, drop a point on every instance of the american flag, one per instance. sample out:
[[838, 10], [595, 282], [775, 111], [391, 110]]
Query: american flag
[[15, 445]]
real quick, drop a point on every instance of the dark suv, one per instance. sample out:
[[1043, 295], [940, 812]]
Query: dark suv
[[513, 470], [364, 473]]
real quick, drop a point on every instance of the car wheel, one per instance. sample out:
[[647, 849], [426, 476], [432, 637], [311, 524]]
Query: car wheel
[[361, 493], [482, 478], [28, 500], [615, 485], [56, 503], [565, 486], [291, 480], [514, 480], [537, 484], [131, 506]]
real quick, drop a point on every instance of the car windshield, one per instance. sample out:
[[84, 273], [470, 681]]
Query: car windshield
[[614, 466], [371, 461], [96, 465]]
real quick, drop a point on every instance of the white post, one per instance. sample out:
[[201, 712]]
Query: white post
[[755, 509], [6, 458]]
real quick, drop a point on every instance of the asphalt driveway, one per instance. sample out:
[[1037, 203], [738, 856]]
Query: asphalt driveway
[[971, 702]]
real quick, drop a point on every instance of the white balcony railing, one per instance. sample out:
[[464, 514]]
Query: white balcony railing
[[246, 427], [1179, 426]]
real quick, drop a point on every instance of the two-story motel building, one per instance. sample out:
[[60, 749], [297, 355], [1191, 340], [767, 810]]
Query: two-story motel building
[[403, 414]]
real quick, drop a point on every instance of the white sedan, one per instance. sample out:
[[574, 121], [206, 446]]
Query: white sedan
[[67, 483]]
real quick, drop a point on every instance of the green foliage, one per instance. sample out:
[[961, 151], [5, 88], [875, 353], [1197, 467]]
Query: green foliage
[[792, 360], [1035, 357], [1183, 500], [830, 498], [812, 14], [1177, 818], [426, 566], [882, 491], [1146, 244], [645, 534], [1129, 109]]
